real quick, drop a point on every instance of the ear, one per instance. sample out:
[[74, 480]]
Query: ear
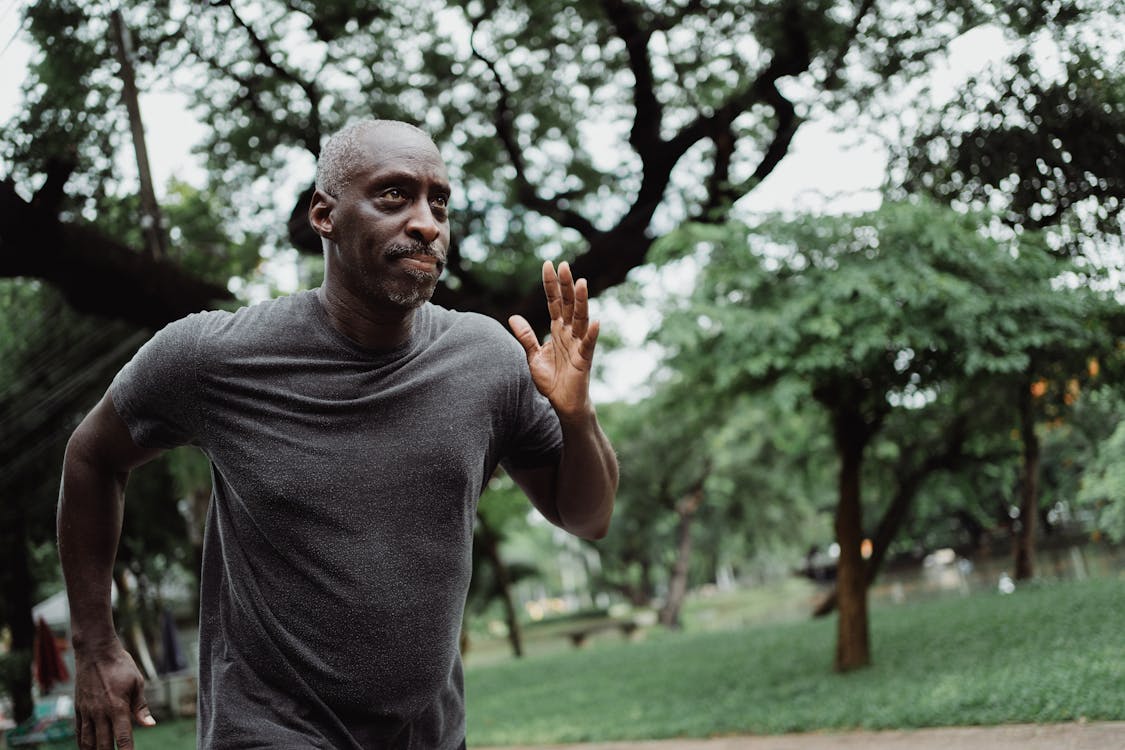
[[320, 213]]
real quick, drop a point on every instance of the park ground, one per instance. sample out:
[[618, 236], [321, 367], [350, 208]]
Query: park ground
[[1038, 668], [1068, 736], [1050, 653]]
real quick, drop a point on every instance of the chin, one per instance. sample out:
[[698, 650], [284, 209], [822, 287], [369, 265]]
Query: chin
[[413, 298]]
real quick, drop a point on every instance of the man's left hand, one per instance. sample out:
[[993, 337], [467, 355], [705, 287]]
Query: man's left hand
[[561, 366]]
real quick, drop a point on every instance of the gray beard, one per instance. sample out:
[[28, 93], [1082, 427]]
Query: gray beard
[[417, 296], [422, 293]]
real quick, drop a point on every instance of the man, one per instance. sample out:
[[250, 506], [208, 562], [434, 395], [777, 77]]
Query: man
[[350, 430]]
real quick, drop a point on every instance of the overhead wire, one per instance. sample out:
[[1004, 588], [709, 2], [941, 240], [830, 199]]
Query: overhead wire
[[47, 360], [14, 6], [54, 352], [62, 391]]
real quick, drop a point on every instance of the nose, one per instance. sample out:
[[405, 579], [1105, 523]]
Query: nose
[[422, 224]]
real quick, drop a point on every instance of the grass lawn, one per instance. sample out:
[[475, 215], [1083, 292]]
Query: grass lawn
[[1050, 652]]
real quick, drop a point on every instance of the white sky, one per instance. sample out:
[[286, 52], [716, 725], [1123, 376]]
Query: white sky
[[825, 170]]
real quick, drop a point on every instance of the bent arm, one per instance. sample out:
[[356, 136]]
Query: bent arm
[[577, 494], [99, 456], [108, 687]]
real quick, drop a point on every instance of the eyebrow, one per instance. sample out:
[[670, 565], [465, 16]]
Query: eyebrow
[[399, 176]]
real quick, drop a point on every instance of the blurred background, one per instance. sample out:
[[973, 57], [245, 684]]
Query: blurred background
[[859, 268]]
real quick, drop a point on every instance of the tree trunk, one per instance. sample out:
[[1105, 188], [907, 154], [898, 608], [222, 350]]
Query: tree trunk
[[678, 580], [646, 589], [18, 601], [130, 624], [889, 524], [152, 224], [853, 646], [491, 543], [1029, 486], [908, 481]]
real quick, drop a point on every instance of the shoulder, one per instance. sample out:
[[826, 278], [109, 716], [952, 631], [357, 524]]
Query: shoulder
[[252, 325], [292, 308], [484, 335], [443, 318]]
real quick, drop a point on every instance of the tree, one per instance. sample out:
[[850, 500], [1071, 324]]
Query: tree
[[525, 95], [914, 444], [500, 511], [870, 312], [1044, 149], [1103, 487], [581, 131], [740, 473], [662, 445], [50, 360]]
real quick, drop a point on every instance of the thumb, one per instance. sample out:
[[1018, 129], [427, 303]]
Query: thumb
[[524, 334], [140, 708]]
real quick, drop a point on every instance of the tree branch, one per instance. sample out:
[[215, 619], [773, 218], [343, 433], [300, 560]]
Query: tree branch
[[96, 274], [648, 115], [504, 122], [312, 133], [248, 85], [48, 198], [669, 20], [831, 79], [795, 58], [786, 128]]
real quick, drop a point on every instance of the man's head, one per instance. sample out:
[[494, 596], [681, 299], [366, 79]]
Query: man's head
[[381, 209], [345, 151]]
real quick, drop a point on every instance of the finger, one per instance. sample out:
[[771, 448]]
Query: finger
[[123, 733], [551, 289], [586, 349], [140, 710], [566, 289], [524, 334], [83, 731], [104, 730], [581, 318]]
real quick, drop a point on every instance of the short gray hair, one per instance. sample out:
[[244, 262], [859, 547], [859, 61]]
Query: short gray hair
[[341, 155]]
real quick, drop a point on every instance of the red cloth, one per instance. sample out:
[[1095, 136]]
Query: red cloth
[[50, 668]]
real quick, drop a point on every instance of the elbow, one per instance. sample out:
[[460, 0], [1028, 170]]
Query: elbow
[[76, 458], [592, 529], [593, 534]]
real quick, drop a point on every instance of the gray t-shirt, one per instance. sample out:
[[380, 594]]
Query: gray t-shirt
[[337, 549]]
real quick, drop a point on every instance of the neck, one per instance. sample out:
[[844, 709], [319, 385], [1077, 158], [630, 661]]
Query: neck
[[368, 328]]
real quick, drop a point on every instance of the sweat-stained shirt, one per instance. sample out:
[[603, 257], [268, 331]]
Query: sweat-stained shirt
[[337, 550]]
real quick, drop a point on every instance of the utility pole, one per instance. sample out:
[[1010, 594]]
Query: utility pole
[[151, 222]]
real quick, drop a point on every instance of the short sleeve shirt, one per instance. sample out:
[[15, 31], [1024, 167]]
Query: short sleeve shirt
[[337, 548]]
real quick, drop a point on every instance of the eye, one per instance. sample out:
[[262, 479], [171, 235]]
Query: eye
[[440, 201], [395, 195]]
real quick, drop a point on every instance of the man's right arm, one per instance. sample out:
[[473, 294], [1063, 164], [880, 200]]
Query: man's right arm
[[109, 689]]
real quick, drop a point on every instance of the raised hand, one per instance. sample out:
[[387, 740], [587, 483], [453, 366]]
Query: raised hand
[[560, 367]]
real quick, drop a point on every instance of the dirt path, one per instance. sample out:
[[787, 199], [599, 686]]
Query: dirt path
[[1073, 736]]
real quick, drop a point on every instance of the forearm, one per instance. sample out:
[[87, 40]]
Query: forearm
[[91, 504], [586, 481]]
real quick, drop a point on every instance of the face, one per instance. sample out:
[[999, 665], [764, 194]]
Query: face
[[388, 230]]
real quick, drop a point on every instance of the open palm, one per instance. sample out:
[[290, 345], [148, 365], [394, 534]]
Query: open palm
[[561, 365]]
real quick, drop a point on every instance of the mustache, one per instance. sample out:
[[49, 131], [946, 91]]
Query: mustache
[[401, 251]]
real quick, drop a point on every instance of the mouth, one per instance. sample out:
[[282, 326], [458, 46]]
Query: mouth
[[418, 258], [426, 263]]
